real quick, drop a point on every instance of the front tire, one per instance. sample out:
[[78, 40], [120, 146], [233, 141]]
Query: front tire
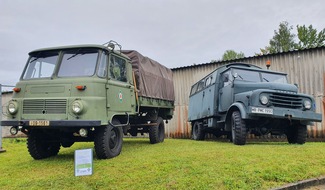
[[297, 134], [108, 141], [157, 132], [238, 129], [40, 146]]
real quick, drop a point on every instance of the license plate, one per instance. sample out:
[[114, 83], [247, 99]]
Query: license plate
[[262, 110], [39, 123]]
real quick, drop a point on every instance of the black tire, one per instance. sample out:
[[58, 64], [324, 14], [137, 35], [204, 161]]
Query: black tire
[[108, 141], [157, 132], [291, 137], [67, 144], [238, 129], [301, 134], [198, 131], [39, 146], [297, 134]]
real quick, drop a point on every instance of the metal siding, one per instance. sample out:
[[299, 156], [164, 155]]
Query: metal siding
[[305, 68]]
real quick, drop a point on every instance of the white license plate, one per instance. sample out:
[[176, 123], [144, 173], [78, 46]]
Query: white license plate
[[262, 110], [39, 123]]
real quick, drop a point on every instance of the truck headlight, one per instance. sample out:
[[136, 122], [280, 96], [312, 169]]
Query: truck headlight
[[307, 104], [77, 107], [264, 99], [12, 107]]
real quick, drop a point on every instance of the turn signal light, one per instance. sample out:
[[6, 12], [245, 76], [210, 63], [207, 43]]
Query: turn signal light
[[17, 89], [81, 87]]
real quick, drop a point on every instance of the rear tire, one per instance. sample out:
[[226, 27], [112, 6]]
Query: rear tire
[[157, 132], [198, 131], [108, 141], [40, 146], [238, 129]]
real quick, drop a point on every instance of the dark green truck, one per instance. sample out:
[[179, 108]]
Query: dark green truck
[[89, 93], [239, 99]]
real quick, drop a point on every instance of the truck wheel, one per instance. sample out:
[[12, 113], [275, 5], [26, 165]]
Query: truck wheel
[[238, 129], [198, 131], [297, 134], [38, 148], [108, 141], [157, 132], [301, 134]]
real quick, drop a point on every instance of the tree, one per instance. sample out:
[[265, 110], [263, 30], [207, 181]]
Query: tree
[[309, 38], [282, 41], [231, 54]]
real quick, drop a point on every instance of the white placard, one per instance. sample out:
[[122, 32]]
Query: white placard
[[83, 162]]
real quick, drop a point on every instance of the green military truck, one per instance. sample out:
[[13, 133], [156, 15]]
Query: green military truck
[[89, 93], [239, 99]]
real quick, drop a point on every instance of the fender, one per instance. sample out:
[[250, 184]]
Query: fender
[[235, 106]]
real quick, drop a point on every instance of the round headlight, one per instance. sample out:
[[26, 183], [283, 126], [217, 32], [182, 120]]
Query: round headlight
[[307, 104], [12, 107], [264, 99], [77, 107]]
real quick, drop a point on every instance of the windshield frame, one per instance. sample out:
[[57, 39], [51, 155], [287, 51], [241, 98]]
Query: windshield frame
[[55, 72], [260, 76]]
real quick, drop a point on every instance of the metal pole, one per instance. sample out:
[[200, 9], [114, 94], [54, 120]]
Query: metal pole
[[1, 150]]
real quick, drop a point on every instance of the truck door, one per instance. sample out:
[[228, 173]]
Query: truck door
[[120, 93], [208, 97], [226, 97]]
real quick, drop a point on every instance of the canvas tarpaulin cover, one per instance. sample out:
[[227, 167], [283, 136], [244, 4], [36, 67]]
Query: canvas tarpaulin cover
[[152, 79]]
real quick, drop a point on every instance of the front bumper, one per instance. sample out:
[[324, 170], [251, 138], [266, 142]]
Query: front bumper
[[53, 123], [283, 113]]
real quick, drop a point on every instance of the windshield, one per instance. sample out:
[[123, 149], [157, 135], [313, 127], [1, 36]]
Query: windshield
[[79, 62], [255, 76], [41, 65]]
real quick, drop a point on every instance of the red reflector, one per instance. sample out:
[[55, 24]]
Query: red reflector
[[17, 89], [80, 87]]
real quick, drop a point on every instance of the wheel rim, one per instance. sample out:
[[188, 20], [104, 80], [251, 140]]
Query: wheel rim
[[113, 139]]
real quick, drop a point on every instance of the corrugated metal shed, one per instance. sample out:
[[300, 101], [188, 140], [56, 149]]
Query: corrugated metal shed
[[304, 67]]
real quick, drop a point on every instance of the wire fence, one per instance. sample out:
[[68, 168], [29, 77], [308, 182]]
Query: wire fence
[[1, 87]]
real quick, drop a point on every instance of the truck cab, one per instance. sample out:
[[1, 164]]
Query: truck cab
[[239, 99]]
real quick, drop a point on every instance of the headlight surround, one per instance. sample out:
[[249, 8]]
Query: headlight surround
[[77, 107], [12, 107], [264, 99], [307, 104]]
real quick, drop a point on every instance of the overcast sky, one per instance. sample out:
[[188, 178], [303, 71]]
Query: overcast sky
[[175, 33]]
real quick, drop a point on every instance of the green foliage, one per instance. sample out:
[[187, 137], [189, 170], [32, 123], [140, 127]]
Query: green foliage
[[174, 164], [282, 41], [231, 54], [309, 38]]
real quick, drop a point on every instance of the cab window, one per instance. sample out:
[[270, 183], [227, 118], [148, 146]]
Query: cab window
[[117, 68]]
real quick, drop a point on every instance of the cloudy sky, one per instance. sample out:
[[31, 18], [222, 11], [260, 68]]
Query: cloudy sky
[[175, 33]]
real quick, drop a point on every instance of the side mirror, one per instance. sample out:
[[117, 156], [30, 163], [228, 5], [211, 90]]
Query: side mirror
[[296, 85]]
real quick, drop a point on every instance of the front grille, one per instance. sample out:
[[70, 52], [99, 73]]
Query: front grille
[[44, 106], [286, 100]]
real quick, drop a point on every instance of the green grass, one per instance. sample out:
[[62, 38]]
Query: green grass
[[174, 164]]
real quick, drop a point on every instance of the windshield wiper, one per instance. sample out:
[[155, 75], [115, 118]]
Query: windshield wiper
[[266, 80], [74, 55]]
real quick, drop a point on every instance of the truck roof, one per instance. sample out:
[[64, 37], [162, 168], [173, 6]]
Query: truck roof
[[77, 46]]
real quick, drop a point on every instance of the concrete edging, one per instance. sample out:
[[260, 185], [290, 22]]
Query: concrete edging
[[303, 184]]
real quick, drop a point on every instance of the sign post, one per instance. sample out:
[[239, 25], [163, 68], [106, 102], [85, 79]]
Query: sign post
[[83, 163]]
